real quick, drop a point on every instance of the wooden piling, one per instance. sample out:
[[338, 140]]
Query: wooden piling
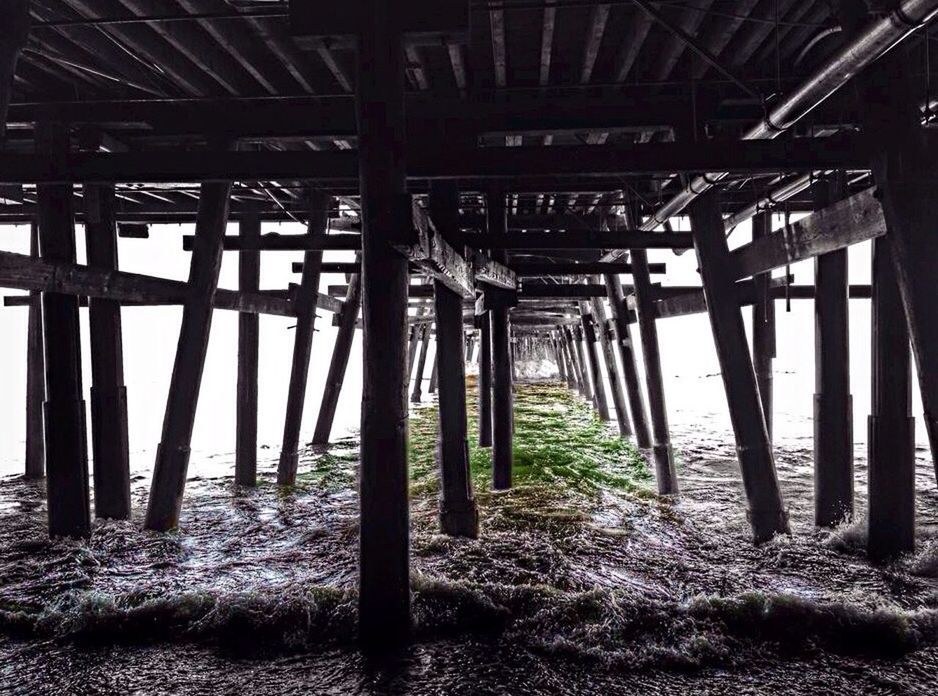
[[35, 376], [384, 572], [559, 358], [833, 405], [416, 394], [172, 455], [662, 452], [767, 513], [570, 368], [340, 355], [623, 342], [109, 438], [612, 369], [566, 336], [891, 435], [485, 381], [470, 347], [502, 389], [763, 327], [302, 341], [576, 337], [435, 371], [593, 357], [249, 270], [64, 409]]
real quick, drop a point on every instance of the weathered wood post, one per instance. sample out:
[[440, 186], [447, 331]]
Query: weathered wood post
[[417, 393], [612, 371], [576, 339], [891, 436], [833, 405], [592, 355], [564, 347], [502, 398], [249, 271], [109, 438], [64, 409], [384, 552], [485, 380], [35, 376], [306, 296], [340, 355], [763, 326], [413, 341], [623, 341], [458, 513], [767, 513], [662, 453], [172, 455], [470, 347], [435, 371], [566, 337], [559, 357]]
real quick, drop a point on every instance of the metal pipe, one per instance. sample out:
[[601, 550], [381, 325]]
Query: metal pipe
[[875, 39]]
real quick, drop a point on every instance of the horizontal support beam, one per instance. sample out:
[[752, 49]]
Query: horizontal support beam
[[168, 166], [425, 248], [521, 268], [694, 302], [592, 239]]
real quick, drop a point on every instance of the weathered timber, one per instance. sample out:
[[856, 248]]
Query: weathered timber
[[434, 373], [577, 334], [502, 391], [384, 548], [593, 357], [580, 239], [416, 394], [488, 271], [35, 376], [566, 335], [891, 427], [833, 405], [485, 381], [559, 268], [249, 267], [340, 355], [12, 41], [64, 410], [109, 437], [430, 252], [612, 371], [172, 456], [623, 342], [302, 343], [767, 513], [763, 326]]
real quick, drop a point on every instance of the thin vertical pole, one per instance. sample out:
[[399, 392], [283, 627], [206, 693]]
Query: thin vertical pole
[[306, 297], [576, 334], [767, 513], [623, 341], [340, 355], [502, 398], [891, 437], [172, 455], [417, 393], [485, 381], [64, 409], [35, 376], [833, 405], [612, 372], [592, 354], [763, 327], [249, 270], [110, 443], [384, 551], [435, 371]]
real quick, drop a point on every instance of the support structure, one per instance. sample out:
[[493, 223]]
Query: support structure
[[249, 271], [763, 326], [416, 394], [767, 513], [623, 336], [340, 355], [594, 359], [384, 563], [64, 409], [110, 441], [612, 371], [434, 372], [891, 435], [833, 405], [172, 456], [502, 392], [302, 342], [576, 338], [485, 381], [35, 376]]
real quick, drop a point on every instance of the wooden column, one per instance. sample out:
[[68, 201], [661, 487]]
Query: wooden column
[[623, 340], [767, 513], [340, 355], [413, 342], [833, 405], [576, 338], [612, 371], [592, 355], [435, 371], [763, 327], [417, 392], [305, 301], [485, 381], [64, 409], [35, 376], [566, 336], [172, 455], [502, 397], [470, 347], [891, 436], [559, 358], [109, 438], [249, 272], [564, 345], [384, 577]]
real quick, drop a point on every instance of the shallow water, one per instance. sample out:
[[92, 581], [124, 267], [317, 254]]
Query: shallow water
[[570, 589]]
